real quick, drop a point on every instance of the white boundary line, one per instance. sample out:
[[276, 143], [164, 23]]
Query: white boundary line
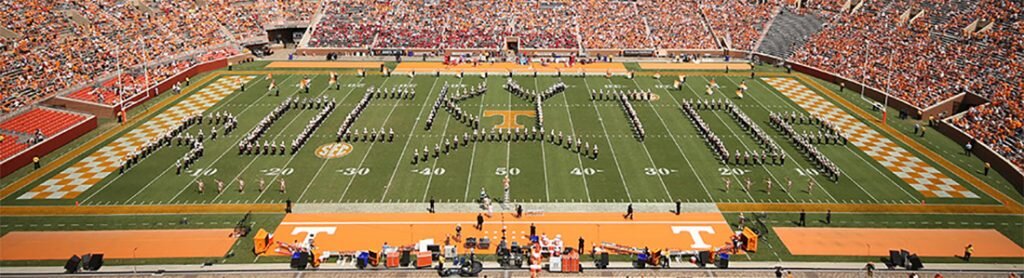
[[444, 135], [412, 130], [586, 186], [642, 145], [543, 154], [472, 157], [610, 147]]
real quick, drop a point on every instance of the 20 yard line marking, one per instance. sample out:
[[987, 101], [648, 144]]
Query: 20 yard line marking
[[227, 150], [610, 147], [292, 157]]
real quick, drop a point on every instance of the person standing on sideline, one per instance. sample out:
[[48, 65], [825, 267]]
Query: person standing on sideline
[[629, 212], [987, 166], [579, 247], [519, 211], [35, 162], [967, 148], [803, 218], [679, 206], [828, 217], [480, 221], [431, 205], [968, 251]]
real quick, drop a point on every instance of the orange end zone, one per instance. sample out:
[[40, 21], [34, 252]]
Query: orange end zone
[[694, 66], [599, 68], [308, 65], [368, 231], [878, 242], [120, 244]]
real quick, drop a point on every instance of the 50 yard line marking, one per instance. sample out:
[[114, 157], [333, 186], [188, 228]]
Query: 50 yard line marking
[[610, 147], [407, 141], [673, 137], [444, 134], [185, 187]]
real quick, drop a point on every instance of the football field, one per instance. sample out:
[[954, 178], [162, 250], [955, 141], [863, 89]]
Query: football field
[[673, 162]]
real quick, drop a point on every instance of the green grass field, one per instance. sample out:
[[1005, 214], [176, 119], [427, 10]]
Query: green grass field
[[673, 163]]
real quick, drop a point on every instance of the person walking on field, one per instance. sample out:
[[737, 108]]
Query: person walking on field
[[629, 212], [968, 251], [480, 221]]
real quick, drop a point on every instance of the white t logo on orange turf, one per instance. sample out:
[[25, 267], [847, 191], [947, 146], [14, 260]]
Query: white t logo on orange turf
[[314, 230], [508, 117], [698, 241]]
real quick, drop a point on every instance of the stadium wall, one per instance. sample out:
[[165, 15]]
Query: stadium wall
[[984, 152], [50, 144]]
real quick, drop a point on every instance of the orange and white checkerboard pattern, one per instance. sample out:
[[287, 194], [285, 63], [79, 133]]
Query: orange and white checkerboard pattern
[[922, 177], [78, 178]]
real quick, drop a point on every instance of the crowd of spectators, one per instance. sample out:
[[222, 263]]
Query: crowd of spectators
[[349, 24], [999, 124], [611, 24], [546, 24], [676, 24], [740, 22]]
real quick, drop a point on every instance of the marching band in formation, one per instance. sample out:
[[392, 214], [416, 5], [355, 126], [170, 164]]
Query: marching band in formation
[[631, 95], [705, 132], [506, 135], [634, 120], [803, 142], [442, 98], [530, 95], [250, 142], [350, 119], [325, 106]]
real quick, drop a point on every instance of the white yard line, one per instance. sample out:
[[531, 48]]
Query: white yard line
[[543, 154], [738, 138], [406, 147], [228, 100], [678, 147], [586, 187], [643, 145], [298, 115], [849, 148], [324, 164], [610, 147], [472, 157], [229, 149], [444, 134]]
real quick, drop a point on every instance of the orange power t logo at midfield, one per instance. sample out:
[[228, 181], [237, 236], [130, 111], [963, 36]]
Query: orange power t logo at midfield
[[333, 150], [508, 117]]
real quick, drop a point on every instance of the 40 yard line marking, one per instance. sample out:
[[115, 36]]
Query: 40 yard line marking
[[292, 157], [434, 165], [187, 185], [673, 137], [610, 147], [572, 126], [412, 130]]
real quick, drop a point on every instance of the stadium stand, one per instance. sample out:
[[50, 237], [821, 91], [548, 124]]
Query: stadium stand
[[46, 121], [739, 23], [789, 31], [10, 146], [676, 24]]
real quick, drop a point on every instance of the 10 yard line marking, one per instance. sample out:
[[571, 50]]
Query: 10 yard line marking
[[610, 147], [183, 188], [434, 165], [580, 160], [848, 148], [407, 141], [283, 130], [169, 166], [673, 137], [642, 144]]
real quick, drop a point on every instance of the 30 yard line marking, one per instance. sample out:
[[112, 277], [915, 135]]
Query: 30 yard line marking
[[283, 130], [444, 134], [572, 126], [847, 147], [227, 150], [610, 147], [401, 155], [324, 164], [679, 148], [644, 146]]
